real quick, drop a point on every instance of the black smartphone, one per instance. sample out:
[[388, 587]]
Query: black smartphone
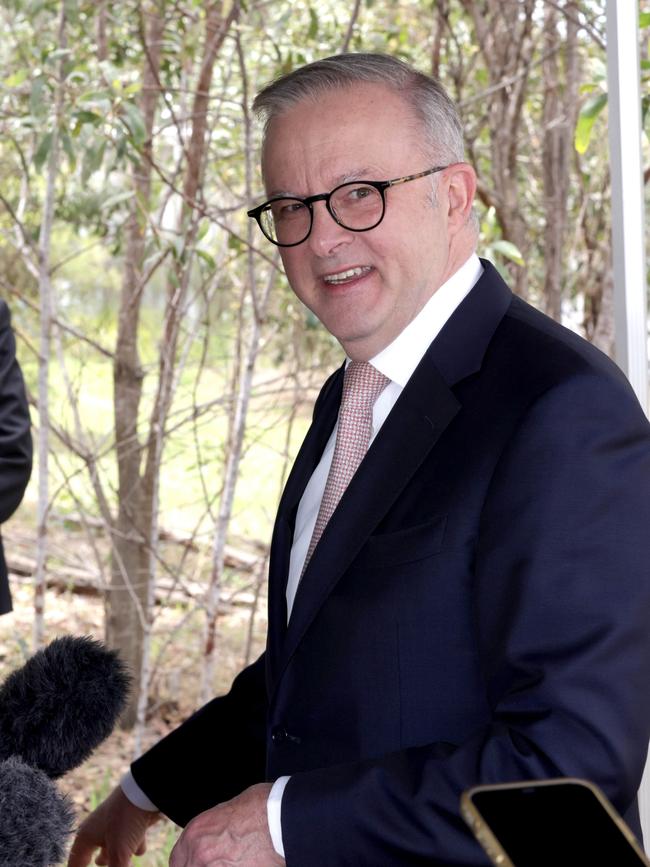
[[550, 823]]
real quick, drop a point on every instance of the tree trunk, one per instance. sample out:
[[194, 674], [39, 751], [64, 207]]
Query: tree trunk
[[559, 117], [237, 420], [503, 32], [127, 600], [45, 292], [604, 333], [135, 547]]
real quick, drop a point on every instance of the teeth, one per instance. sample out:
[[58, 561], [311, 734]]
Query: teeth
[[342, 276]]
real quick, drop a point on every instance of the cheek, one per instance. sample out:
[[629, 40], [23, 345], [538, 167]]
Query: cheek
[[397, 247], [298, 273], [286, 257]]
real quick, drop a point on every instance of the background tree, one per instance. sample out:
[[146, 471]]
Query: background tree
[[182, 368]]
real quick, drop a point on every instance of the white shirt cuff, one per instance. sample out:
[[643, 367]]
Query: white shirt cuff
[[135, 794], [274, 813]]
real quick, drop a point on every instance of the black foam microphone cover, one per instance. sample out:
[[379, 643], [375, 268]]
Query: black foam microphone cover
[[61, 704], [35, 819]]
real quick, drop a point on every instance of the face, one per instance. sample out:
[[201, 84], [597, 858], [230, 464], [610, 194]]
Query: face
[[365, 287]]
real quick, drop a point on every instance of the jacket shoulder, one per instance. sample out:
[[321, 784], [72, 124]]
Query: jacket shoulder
[[551, 351]]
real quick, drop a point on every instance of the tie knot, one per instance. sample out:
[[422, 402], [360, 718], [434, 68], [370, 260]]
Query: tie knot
[[362, 384]]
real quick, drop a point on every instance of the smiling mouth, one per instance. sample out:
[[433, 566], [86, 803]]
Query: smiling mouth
[[346, 276]]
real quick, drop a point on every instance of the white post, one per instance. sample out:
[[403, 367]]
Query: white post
[[630, 307], [624, 106]]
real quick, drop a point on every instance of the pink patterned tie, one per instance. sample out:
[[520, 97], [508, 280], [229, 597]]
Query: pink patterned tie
[[362, 385]]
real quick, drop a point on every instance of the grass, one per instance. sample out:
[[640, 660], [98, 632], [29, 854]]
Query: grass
[[196, 444]]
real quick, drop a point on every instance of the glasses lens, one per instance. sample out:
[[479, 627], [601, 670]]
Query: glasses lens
[[357, 206], [286, 221]]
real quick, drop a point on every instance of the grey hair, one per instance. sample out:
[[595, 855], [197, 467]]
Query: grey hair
[[443, 133]]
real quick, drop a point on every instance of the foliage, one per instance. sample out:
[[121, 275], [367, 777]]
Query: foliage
[[514, 92]]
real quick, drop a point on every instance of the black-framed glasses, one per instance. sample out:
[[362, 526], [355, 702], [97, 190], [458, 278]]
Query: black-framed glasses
[[356, 205]]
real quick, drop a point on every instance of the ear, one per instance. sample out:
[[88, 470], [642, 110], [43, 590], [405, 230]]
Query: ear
[[461, 187]]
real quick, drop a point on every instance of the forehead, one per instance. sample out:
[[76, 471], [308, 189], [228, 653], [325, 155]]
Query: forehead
[[330, 137]]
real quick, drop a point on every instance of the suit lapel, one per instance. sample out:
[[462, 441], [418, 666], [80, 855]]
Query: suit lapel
[[382, 475], [425, 408], [325, 414]]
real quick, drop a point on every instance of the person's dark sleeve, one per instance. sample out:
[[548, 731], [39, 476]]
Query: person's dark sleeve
[[562, 608], [15, 432], [214, 755]]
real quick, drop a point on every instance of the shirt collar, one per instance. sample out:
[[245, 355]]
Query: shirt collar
[[400, 358]]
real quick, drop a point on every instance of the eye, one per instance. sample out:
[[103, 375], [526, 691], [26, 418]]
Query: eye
[[354, 195], [292, 208], [286, 209]]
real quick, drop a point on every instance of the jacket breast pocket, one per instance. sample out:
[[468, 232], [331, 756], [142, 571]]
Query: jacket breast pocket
[[404, 546]]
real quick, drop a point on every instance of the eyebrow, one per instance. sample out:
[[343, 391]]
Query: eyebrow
[[355, 175]]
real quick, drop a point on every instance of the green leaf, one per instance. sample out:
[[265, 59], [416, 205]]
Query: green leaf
[[489, 221], [120, 148], [582, 135], [95, 96], [98, 156], [92, 160], [42, 151], [77, 77], [644, 19], [135, 123], [594, 106], [177, 247], [117, 199], [586, 119], [82, 117], [202, 254], [66, 141], [312, 33], [509, 250], [16, 79], [58, 53], [37, 104]]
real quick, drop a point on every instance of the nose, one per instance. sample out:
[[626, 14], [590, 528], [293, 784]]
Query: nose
[[326, 234]]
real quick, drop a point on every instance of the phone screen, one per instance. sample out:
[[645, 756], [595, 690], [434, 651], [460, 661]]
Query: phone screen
[[562, 825]]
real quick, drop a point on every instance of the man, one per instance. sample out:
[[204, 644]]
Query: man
[[15, 439], [476, 606]]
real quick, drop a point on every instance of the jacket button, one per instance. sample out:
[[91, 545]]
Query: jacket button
[[279, 734]]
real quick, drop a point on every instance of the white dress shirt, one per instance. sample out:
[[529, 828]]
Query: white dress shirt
[[397, 362]]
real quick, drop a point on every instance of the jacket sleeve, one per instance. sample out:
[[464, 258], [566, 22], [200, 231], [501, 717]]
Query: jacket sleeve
[[562, 608], [15, 434], [214, 755]]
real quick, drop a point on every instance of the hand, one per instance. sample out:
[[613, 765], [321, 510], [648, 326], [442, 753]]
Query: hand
[[235, 833], [117, 828]]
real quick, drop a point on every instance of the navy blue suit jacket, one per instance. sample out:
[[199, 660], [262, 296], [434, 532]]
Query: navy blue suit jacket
[[477, 609], [15, 439]]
